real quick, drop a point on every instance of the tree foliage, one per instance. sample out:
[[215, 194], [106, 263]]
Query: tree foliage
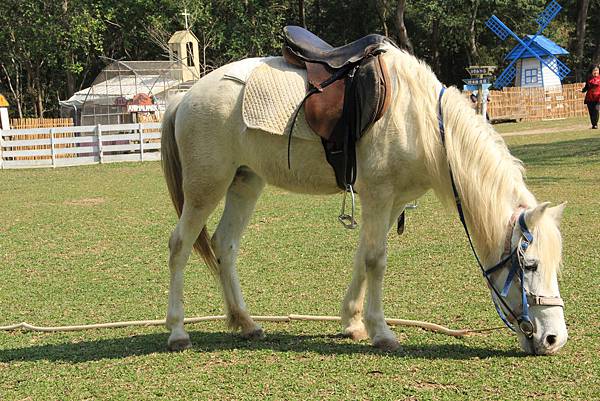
[[49, 50]]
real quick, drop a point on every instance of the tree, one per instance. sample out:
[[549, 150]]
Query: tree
[[473, 54], [49, 49], [302, 13], [45, 43], [403, 39], [582, 11]]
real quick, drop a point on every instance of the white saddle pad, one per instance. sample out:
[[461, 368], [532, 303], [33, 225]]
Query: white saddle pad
[[273, 92]]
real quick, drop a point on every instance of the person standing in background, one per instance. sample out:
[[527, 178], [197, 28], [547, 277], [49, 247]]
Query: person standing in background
[[592, 95]]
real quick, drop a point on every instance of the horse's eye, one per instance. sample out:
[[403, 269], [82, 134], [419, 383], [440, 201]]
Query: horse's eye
[[530, 264]]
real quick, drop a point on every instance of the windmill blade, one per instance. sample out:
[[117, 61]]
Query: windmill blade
[[502, 31], [507, 76], [557, 67], [498, 27], [548, 14]]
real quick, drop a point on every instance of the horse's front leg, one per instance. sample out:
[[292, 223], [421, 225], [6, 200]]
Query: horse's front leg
[[352, 307], [369, 268]]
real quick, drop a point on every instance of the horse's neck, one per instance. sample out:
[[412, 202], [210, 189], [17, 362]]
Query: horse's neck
[[489, 180]]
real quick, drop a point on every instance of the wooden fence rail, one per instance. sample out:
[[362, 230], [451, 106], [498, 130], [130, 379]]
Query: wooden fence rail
[[69, 146]]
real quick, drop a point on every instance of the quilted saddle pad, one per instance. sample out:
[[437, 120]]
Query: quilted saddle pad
[[272, 93]]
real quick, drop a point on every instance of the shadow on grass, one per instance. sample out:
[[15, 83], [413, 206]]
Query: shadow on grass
[[563, 153], [115, 348]]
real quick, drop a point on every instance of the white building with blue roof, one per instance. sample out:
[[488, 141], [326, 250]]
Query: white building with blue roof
[[532, 73]]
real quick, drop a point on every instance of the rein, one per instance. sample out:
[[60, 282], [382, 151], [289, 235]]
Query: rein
[[515, 257]]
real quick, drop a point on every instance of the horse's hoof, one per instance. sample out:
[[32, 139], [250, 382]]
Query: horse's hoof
[[356, 334], [179, 345], [387, 344], [256, 334]]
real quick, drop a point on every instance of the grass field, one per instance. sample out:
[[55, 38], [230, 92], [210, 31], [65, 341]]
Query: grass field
[[89, 244]]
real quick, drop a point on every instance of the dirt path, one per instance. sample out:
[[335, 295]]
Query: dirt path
[[577, 127]]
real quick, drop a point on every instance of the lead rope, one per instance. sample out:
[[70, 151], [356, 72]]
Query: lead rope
[[146, 323]]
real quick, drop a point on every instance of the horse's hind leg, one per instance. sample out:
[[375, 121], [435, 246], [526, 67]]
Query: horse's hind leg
[[180, 245], [239, 205], [193, 218]]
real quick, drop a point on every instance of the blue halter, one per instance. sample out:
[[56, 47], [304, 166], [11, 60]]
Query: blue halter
[[515, 256]]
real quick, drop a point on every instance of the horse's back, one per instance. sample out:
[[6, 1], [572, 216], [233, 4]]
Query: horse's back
[[213, 140]]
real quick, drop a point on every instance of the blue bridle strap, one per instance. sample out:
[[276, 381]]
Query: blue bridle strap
[[509, 278], [523, 320], [441, 117], [502, 315], [526, 233]]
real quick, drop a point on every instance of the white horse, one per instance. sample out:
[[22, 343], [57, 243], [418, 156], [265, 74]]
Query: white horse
[[209, 153]]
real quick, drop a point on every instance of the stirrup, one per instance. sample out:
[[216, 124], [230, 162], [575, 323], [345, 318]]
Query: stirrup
[[348, 220]]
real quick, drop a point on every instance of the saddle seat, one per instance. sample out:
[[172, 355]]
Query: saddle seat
[[309, 47]]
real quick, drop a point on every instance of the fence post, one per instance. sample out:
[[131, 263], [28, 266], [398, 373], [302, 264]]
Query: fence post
[[52, 151], [100, 151], [141, 132]]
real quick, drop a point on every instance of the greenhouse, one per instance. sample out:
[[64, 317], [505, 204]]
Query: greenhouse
[[129, 92]]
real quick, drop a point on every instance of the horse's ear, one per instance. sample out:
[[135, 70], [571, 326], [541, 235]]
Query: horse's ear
[[557, 212], [532, 217]]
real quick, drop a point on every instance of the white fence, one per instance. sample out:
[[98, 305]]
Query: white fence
[[70, 146]]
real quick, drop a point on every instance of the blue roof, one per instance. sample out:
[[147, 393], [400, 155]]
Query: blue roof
[[542, 46]]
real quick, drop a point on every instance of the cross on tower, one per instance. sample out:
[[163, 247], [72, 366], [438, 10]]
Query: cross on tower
[[186, 15]]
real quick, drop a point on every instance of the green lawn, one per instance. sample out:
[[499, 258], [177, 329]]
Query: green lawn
[[567, 123], [89, 244]]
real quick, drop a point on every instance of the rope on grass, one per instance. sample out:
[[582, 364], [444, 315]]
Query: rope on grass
[[393, 322]]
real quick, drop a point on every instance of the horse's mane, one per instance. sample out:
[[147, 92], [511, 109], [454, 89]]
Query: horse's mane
[[489, 179]]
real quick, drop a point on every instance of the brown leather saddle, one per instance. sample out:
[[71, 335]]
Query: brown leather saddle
[[349, 90]]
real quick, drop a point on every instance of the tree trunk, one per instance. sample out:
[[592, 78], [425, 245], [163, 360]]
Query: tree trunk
[[473, 53], [20, 96], [435, 50], [381, 7], [16, 89], [69, 58], [582, 12], [40, 103], [596, 55], [71, 79], [403, 39], [39, 94], [301, 13]]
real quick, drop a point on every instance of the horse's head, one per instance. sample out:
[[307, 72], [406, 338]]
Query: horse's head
[[526, 291]]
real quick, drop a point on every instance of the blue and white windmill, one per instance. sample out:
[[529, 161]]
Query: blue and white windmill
[[533, 60]]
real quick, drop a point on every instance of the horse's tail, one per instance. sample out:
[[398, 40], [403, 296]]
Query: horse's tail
[[171, 166]]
